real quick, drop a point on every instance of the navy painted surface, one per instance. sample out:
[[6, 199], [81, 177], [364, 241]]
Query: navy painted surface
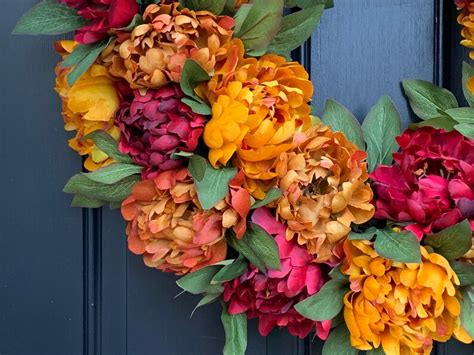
[[68, 284]]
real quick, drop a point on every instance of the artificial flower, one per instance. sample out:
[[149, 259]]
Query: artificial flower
[[324, 191], [104, 15], [271, 296], [431, 185], [470, 84], [466, 19], [400, 307], [155, 52], [167, 224], [155, 125], [88, 105], [257, 106]]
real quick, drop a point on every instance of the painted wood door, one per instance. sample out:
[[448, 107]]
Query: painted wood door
[[67, 283]]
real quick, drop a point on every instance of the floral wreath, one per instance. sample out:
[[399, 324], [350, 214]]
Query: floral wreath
[[194, 122]]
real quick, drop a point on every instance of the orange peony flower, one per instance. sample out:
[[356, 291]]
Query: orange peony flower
[[257, 106], [401, 307], [155, 52], [168, 226], [470, 84], [89, 105], [325, 191], [466, 19]]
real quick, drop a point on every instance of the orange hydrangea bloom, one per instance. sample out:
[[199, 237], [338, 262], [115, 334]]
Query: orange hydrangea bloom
[[155, 52], [168, 226], [257, 106], [402, 307], [325, 191], [466, 19], [89, 105]]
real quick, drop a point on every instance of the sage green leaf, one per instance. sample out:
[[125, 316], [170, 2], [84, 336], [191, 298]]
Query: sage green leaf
[[214, 185], [338, 342], [341, 119], [465, 272], [85, 202], [106, 143], [380, 127], [462, 114], [205, 300], [241, 16], [113, 173], [81, 185], [214, 6], [378, 351], [308, 3], [467, 310], [367, 235], [336, 274], [77, 55], [271, 195], [235, 327], [467, 73], [326, 303], [426, 99], [296, 28], [402, 247], [49, 18], [198, 282], [258, 25], [191, 76], [231, 271], [466, 129], [197, 165], [446, 123], [200, 108], [136, 21], [81, 67], [452, 242], [246, 250]]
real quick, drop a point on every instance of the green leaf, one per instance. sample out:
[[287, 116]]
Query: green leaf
[[200, 108], [81, 185], [309, 3], [49, 18], [231, 271], [109, 146], [258, 24], [214, 185], [85, 202], [341, 119], [336, 274], [367, 235], [272, 195], [326, 303], [467, 73], [81, 67], [205, 300], [136, 21], [465, 129], [258, 247], [235, 327], [378, 351], [427, 99], [113, 173], [77, 55], [443, 122], [198, 282], [214, 6], [191, 76], [462, 114], [380, 128], [402, 247], [197, 165], [467, 310], [452, 242], [465, 272], [338, 342], [296, 28]]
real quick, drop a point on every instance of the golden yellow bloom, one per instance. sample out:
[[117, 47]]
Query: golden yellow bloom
[[325, 191], [402, 307], [466, 19], [156, 51], [257, 106], [470, 84], [89, 105]]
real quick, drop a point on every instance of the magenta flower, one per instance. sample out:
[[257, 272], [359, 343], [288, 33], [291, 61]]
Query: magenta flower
[[156, 125], [431, 184], [271, 296]]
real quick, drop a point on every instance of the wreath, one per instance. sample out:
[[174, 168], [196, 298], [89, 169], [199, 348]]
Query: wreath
[[193, 120]]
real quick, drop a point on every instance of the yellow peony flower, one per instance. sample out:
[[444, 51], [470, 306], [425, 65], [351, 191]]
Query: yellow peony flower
[[470, 84], [89, 105], [257, 106], [400, 307], [466, 19]]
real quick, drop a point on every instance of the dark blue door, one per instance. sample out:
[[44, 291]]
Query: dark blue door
[[67, 283]]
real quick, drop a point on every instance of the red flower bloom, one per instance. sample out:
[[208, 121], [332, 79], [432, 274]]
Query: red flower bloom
[[104, 15], [271, 296], [156, 125], [431, 184]]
